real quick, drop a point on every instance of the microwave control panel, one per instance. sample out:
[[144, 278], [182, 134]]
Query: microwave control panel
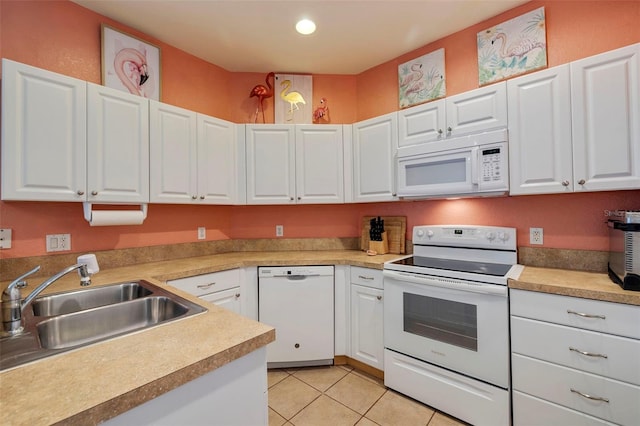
[[491, 165]]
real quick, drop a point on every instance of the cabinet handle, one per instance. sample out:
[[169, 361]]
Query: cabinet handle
[[582, 182], [80, 192], [379, 297], [593, 398], [565, 183], [237, 295], [588, 353], [194, 197], [291, 198], [440, 131], [299, 198], [449, 129], [206, 286], [580, 314], [94, 193], [202, 197], [362, 277]]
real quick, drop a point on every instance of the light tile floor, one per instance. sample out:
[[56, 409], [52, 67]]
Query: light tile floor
[[341, 395]]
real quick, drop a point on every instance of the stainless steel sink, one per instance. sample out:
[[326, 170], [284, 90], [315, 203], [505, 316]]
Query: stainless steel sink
[[88, 326], [67, 302], [74, 319]]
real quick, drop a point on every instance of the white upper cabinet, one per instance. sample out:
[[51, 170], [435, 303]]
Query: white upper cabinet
[[271, 164], [374, 155], [289, 164], [221, 161], [44, 135], [118, 146], [605, 98], [540, 153], [173, 168], [473, 111], [319, 164]]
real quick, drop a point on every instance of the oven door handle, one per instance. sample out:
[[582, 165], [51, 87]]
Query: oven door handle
[[449, 283]]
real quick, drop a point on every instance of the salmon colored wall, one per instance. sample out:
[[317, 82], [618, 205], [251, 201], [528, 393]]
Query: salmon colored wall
[[64, 37], [575, 29]]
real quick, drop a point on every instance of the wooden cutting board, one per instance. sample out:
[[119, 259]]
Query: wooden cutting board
[[396, 228]]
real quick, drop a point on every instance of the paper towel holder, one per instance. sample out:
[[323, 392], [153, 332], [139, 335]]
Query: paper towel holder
[[87, 207]]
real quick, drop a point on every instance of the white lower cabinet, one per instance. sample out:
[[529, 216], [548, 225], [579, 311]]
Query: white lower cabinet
[[220, 288], [232, 395], [574, 361], [367, 343]]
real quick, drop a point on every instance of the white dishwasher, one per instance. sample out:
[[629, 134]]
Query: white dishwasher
[[298, 302]]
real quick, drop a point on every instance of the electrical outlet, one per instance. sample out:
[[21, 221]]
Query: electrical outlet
[[202, 232], [536, 236], [279, 230], [58, 242]]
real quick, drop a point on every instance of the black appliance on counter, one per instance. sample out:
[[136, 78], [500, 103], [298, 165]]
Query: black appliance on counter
[[624, 249]]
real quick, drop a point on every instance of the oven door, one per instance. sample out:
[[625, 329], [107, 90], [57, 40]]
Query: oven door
[[455, 324]]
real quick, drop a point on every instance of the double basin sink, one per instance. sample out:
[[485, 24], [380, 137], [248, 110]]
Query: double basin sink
[[63, 321]]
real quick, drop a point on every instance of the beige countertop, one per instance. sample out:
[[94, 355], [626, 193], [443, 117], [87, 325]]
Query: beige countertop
[[91, 384]]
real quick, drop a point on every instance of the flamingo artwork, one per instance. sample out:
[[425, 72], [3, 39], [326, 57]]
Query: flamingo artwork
[[131, 68], [322, 112], [415, 75], [261, 92], [294, 98], [517, 49]]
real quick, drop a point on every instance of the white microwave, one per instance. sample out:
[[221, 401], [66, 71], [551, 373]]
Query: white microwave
[[472, 165]]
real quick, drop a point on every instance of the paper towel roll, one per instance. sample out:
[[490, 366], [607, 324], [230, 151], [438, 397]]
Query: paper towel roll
[[116, 217]]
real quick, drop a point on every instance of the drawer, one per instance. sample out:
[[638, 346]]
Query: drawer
[[531, 411], [367, 277], [208, 283], [553, 382], [596, 315], [607, 355]]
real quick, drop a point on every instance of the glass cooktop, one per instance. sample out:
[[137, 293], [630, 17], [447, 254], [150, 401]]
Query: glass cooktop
[[494, 269]]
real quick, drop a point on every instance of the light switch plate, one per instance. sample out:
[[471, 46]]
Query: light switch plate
[[5, 238], [58, 242], [202, 232]]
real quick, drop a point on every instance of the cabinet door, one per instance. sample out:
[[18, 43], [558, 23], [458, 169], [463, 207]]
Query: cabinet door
[[219, 165], [173, 168], [117, 146], [229, 299], [319, 164], [374, 152], [44, 135], [605, 99], [366, 326], [421, 124], [477, 110], [270, 164], [540, 154]]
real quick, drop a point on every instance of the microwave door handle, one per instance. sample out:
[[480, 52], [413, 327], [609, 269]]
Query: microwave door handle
[[474, 165]]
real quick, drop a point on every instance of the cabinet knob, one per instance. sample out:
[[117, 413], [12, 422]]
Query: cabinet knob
[[449, 129], [582, 182], [565, 183], [291, 198], [440, 131], [297, 345], [379, 297], [94, 193], [194, 197], [237, 295], [80, 192], [202, 197]]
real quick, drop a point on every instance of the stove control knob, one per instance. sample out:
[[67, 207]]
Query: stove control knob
[[430, 233], [420, 233], [503, 236], [491, 236]]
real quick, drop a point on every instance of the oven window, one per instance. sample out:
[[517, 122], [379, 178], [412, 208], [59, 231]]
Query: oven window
[[447, 321]]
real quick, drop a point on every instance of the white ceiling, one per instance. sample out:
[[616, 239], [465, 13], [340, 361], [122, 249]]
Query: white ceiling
[[259, 35]]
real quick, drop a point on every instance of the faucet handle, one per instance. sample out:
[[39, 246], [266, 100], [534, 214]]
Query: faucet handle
[[20, 281]]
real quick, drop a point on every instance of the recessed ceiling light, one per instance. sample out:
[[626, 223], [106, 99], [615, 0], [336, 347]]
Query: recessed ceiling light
[[305, 26]]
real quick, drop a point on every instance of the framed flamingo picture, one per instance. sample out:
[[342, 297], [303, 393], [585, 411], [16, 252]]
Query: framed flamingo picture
[[514, 47], [130, 64], [292, 98], [422, 79]]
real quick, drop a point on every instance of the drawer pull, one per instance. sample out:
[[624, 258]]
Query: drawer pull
[[588, 353], [206, 286], [593, 398], [362, 277], [580, 314]]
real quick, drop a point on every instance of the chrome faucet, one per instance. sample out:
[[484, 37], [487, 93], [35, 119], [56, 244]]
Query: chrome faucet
[[13, 305]]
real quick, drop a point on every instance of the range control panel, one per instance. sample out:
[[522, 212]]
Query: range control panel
[[465, 236]]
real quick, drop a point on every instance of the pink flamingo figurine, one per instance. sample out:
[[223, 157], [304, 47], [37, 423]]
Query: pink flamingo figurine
[[261, 92], [322, 111]]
